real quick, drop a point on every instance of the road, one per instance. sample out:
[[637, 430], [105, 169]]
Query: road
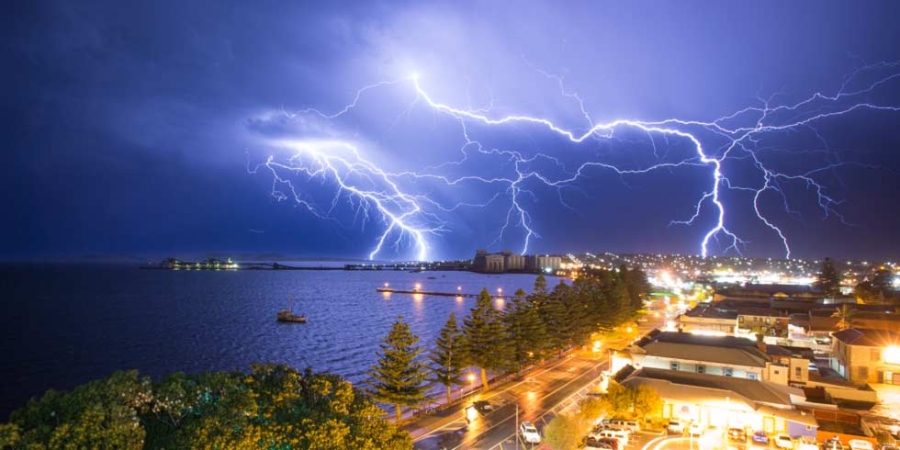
[[538, 398]]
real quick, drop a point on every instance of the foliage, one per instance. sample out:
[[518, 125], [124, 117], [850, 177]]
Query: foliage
[[646, 401], [828, 281], [525, 331], [448, 358], [593, 408], [272, 407], [399, 377], [566, 431], [484, 333]]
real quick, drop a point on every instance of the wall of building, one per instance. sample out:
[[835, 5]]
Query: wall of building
[[657, 362]]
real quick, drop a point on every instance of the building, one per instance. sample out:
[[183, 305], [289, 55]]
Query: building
[[709, 318], [513, 262], [727, 356], [543, 263], [727, 402], [763, 321], [867, 356]]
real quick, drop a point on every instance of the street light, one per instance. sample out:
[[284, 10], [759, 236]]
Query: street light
[[418, 286]]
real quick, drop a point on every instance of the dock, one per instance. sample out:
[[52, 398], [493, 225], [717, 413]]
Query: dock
[[433, 293]]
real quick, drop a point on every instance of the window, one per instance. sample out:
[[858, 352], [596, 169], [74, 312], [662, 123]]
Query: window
[[798, 372], [701, 368], [751, 376], [674, 365], [741, 319], [876, 355], [728, 371], [863, 372]]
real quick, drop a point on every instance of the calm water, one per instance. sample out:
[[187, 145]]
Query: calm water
[[64, 325]]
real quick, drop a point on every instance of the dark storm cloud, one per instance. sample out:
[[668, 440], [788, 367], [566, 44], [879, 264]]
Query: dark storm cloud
[[130, 125]]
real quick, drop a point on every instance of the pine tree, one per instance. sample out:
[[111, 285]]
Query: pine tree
[[483, 330], [829, 281], [526, 332], [398, 377], [448, 357]]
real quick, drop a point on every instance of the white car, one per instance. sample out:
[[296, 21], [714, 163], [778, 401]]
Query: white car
[[695, 429], [619, 435], [530, 433], [806, 443], [859, 444], [675, 427], [784, 441]]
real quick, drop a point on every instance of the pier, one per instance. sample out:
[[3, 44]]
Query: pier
[[433, 293]]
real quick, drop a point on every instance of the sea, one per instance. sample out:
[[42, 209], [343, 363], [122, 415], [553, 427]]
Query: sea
[[63, 325]]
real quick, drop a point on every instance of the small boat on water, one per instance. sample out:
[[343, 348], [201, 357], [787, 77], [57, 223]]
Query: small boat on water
[[287, 315]]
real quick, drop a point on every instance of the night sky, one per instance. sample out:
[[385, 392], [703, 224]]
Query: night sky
[[161, 128]]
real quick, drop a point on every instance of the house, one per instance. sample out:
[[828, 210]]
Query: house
[[867, 356], [726, 401], [727, 356]]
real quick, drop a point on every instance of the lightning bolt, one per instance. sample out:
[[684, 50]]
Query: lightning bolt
[[410, 217]]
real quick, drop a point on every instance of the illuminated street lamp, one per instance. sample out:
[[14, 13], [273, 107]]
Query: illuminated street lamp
[[499, 291], [418, 287], [386, 284]]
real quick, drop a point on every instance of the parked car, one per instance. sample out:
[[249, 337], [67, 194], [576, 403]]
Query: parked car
[[737, 434], [530, 433], [860, 444], [620, 435], [806, 443], [760, 437], [695, 429], [832, 444], [784, 441], [675, 427], [622, 423], [601, 443]]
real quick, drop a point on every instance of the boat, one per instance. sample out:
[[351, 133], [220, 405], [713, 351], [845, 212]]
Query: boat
[[287, 315]]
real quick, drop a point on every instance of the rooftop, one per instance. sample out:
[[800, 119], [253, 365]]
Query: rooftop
[[868, 338], [671, 381]]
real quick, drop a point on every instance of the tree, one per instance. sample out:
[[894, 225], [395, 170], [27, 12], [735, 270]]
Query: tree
[[593, 408], [525, 331], [565, 431], [845, 313], [484, 334], [272, 407], [398, 377], [448, 356], [828, 281], [646, 402]]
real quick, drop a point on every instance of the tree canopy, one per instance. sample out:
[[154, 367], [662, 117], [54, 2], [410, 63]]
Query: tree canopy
[[272, 407], [828, 281]]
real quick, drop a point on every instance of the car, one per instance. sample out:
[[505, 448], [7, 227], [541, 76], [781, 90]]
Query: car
[[695, 429], [832, 444], [888, 447], [806, 443], [483, 407], [760, 437], [601, 443], [675, 427], [860, 444], [620, 435], [737, 434], [784, 441], [631, 425], [530, 433]]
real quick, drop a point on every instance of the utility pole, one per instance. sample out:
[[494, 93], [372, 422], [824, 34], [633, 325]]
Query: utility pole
[[517, 425]]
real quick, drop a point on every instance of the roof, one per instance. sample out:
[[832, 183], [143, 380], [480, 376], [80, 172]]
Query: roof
[[747, 390], [776, 288], [726, 350], [789, 415], [867, 338]]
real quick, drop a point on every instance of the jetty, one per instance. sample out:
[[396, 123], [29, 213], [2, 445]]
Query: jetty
[[388, 290]]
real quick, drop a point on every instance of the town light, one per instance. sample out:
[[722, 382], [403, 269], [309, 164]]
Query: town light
[[418, 286], [891, 355], [386, 284]]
